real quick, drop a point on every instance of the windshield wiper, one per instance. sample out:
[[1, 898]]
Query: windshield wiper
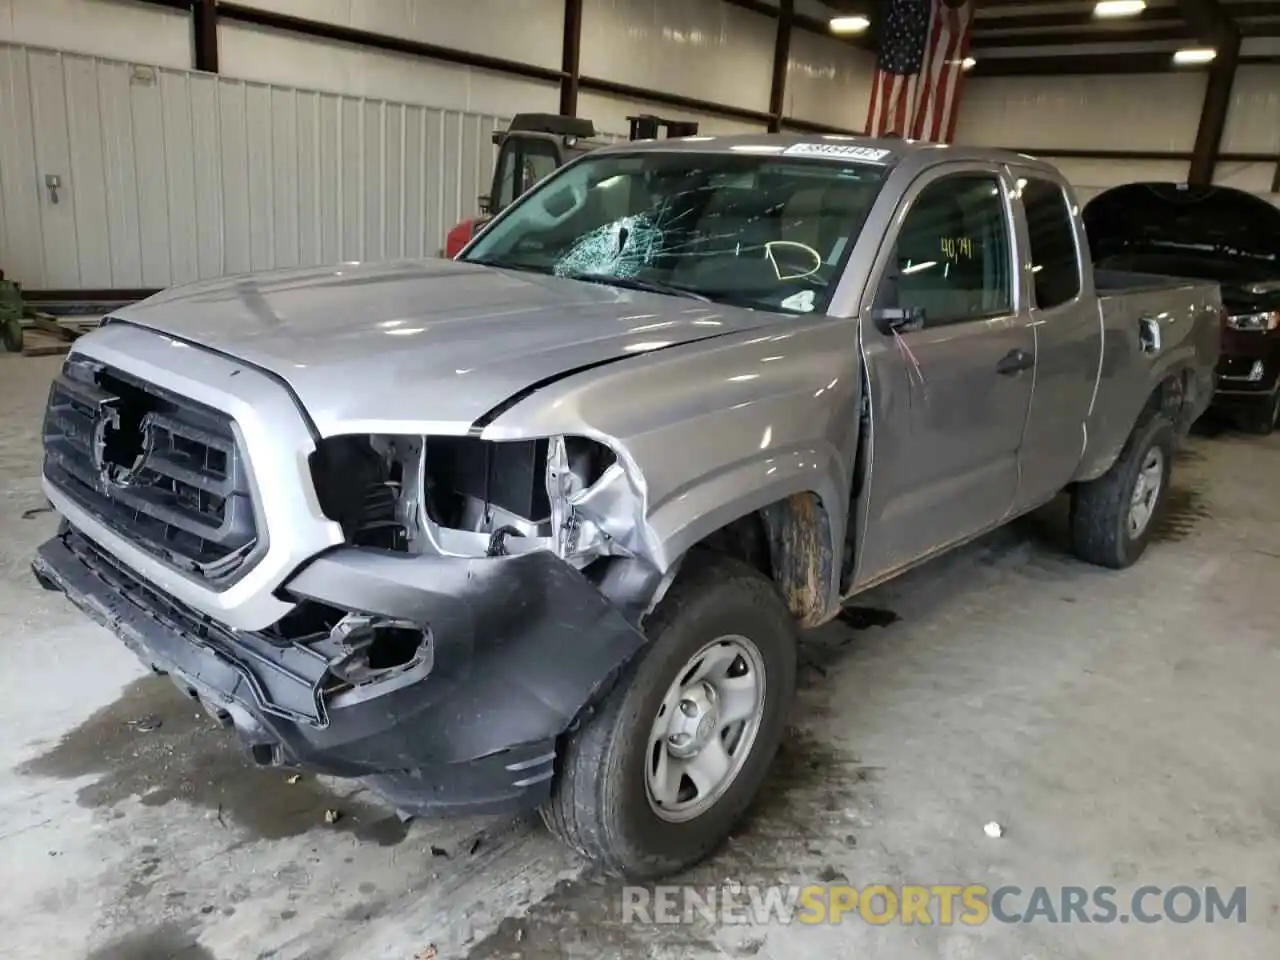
[[638, 283]]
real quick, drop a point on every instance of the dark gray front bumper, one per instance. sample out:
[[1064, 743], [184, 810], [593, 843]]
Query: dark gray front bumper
[[521, 646]]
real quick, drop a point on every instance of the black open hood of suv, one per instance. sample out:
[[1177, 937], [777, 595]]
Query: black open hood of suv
[[1207, 233], [1172, 219]]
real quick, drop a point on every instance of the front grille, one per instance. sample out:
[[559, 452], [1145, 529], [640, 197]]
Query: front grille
[[158, 469]]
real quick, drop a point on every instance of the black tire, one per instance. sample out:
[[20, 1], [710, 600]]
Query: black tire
[[1100, 508], [1266, 418], [599, 802]]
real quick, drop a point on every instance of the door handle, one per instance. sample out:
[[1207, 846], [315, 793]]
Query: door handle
[[1014, 362], [1149, 336]]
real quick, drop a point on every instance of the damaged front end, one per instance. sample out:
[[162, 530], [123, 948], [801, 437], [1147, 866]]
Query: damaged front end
[[468, 497], [486, 595]]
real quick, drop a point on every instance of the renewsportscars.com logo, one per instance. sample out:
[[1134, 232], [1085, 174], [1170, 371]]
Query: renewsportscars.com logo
[[935, 904]]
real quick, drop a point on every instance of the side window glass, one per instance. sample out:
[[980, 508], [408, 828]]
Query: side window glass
[[953, 254], [1055, 264], [505, 181], [521, 164], [539, 162]]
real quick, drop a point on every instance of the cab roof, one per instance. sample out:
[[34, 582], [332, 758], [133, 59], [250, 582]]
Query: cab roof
[[890, 150]]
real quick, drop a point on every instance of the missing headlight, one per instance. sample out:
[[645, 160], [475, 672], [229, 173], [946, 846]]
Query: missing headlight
[[481, 485], [358, 481]]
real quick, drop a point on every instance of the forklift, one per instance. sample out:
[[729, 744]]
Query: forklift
[[535, 145]]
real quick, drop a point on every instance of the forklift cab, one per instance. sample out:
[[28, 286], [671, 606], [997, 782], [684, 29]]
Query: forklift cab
[[535, 145]]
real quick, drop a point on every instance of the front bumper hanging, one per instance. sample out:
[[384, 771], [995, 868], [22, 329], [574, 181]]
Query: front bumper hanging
[[520, 646]]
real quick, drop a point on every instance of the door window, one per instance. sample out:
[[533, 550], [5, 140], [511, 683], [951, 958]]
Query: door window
[[1055, 264], [953, 257]]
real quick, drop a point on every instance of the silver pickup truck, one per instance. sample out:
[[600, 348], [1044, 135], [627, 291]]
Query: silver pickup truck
[[539, 527]]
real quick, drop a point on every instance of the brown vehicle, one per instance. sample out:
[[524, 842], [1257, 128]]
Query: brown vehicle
[[1210, 233]]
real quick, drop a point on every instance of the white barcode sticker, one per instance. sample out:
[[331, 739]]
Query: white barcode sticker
[[839, 151]]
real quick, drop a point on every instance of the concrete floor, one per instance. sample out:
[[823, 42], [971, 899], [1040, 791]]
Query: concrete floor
[[1120, 726]]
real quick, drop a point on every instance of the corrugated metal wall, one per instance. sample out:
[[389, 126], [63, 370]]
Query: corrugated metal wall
[[170, 175]]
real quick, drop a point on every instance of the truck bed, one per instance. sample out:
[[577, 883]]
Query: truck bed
[[1150, 323], [1107, 282]]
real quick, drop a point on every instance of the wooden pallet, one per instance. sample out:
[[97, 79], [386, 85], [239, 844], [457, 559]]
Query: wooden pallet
[[45, 335], [38, 343]]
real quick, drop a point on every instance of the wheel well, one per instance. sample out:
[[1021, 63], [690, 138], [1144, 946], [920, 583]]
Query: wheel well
[[790, 542], [1170, 398]]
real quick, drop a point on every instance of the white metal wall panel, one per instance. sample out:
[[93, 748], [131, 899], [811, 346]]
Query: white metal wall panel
[[53, 155], [609, 114], [87, 164], [696, 48], [268, 56], [119, 171], [1134, 112], [527, 31], [180, 177], [828, 81], [206, 148], [234, 153], [109, 28], [170, 175], [1253, 119], [21, 229], [1090, 177]]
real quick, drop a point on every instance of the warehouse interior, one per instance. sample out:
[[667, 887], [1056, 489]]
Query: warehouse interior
[[1003, 716]]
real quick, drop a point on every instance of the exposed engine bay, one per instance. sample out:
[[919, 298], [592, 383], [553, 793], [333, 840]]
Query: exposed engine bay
[[468, 497]]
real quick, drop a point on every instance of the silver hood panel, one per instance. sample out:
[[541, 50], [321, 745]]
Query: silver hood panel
[[424, 345]]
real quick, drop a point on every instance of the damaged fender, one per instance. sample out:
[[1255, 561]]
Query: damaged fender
[[522, 644]]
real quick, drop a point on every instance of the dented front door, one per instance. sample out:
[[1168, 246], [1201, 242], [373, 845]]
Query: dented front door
[[951, 389]]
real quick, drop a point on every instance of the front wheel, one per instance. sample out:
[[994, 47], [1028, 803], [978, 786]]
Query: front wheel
[[661, 774], [1111, 517]]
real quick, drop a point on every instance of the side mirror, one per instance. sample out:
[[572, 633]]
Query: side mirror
[[486, 205], [891, 320]]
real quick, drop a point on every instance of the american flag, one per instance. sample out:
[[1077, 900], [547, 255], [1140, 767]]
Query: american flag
[[919, 69]]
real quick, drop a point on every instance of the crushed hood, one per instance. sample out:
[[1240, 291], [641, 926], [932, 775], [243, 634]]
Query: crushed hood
[[437, 342]]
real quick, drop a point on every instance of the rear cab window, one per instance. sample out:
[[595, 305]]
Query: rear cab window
[[1051, 232]]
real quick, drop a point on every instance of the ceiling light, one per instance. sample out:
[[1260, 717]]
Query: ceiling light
[[848, 24], [1119, 8], [1195, 55]]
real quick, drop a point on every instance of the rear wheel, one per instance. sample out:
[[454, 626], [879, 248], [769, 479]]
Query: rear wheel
[[1111, 517], [660, 775]]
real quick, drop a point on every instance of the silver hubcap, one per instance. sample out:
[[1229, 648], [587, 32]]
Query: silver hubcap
[[705, 728], [1146, 491]]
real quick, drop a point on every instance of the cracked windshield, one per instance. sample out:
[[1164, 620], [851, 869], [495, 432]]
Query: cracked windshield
[[766, 232]]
